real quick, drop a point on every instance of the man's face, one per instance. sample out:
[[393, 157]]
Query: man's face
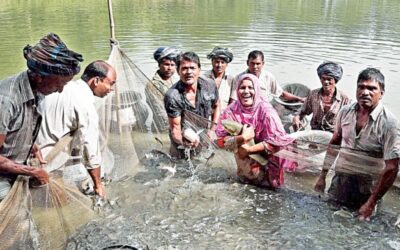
[[103, 87], [328, 82], [255, 66], [167, 69], [53, 83], [369, 93], [219, 65], [189, 72]]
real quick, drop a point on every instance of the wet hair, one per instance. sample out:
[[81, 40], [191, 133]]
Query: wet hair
[[254, 54], [97, 68], [372, 74], [188, 56]]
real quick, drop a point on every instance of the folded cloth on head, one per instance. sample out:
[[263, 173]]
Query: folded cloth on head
[[331, 69], [224, 53], [170, 53], [52, 57]]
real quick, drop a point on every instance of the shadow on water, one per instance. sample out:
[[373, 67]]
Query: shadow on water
[[163, 206]]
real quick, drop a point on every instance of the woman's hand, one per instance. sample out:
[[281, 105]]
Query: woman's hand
[[243, 151], [247, 132]]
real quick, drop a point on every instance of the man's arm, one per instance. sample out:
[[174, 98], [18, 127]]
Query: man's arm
[[176, 131], [11, 167], [290, 97], [215, 117], [385, 181], [330, 157], [98, 186]]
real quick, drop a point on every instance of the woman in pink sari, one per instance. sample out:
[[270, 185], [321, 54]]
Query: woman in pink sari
[[261, 123]]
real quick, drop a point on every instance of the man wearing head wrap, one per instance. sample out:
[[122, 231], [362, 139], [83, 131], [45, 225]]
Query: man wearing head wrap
[[162, 80], [269, 86], [324, 103], [220, 58], [50, 66], [365, 128], [165, 75]]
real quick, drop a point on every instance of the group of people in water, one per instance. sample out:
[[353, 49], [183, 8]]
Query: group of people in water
[[365, 125], [35, 118]]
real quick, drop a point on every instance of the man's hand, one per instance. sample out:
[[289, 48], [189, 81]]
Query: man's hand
[[99, 190], [366, 210], [189, 144], [301, 99], [247, 132], [320, 184], [38, 154], [296, 124], [40, 175]]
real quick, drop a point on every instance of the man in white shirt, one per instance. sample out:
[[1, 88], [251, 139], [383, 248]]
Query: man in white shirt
[[74, 110], [220, 58], [269, 87]]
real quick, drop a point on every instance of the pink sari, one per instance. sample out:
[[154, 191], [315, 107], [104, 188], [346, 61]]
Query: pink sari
[[267, 127]]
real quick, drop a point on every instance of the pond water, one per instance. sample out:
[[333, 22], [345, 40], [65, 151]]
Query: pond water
[[212, 211]]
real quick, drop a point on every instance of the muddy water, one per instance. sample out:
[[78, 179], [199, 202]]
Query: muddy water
[[166, 205]]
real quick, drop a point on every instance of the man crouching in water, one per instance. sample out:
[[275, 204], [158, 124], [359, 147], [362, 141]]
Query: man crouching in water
[[74, 110], [193, 94]]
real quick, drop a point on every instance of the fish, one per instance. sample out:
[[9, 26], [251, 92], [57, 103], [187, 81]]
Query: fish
[[344, 213], [234, 128]]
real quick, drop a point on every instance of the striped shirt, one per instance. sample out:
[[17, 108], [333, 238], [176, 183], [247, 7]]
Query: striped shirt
[[19, 117], [322, 120]]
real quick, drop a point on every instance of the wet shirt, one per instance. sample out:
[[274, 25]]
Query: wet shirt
[[380, 137], [73, 109], [314, 105], [19, 117], [225, 86], [175, 101], [268, 86]]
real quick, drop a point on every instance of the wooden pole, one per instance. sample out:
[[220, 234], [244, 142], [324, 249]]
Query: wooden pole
[[113, 39], [111, 17]]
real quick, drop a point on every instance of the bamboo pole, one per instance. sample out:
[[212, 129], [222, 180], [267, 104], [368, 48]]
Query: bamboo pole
[[113, 39], [111, 18]]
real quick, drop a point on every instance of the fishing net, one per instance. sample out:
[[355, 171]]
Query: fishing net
[[310, 152], [287, 109], [132, 118], [42, 217]]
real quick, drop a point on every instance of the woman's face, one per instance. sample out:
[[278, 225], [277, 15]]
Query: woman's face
[[328, 83], [246, 93]]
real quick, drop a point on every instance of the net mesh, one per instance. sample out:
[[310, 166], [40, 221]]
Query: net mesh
[[42, 217], [133, 122]]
